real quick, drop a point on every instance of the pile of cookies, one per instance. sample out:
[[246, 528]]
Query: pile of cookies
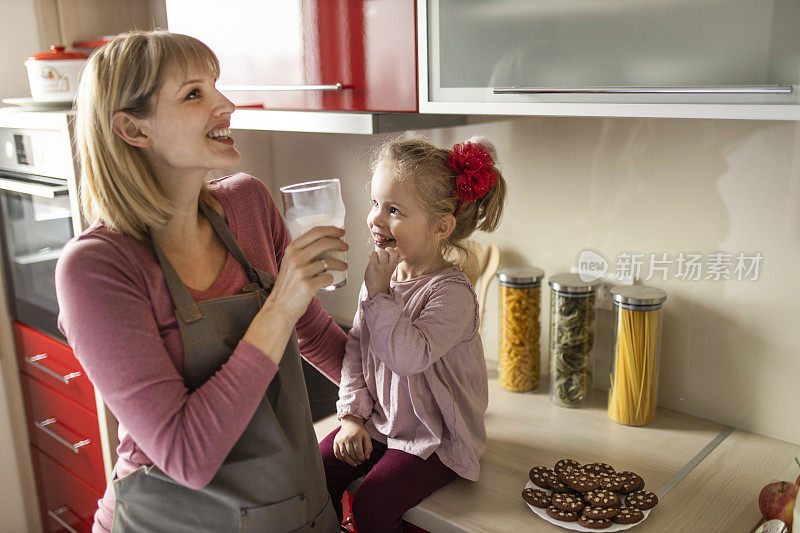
[[591, 494]]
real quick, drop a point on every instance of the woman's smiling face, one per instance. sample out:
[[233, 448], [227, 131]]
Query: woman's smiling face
[[189, 125]]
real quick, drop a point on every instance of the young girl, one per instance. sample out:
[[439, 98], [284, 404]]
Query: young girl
[[414, 388]]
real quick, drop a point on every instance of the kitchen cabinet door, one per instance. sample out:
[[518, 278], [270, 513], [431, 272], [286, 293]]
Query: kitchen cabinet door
[[681, 58], [342, 55]]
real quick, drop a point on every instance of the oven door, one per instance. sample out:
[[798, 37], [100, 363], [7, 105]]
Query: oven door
[[36, 222]]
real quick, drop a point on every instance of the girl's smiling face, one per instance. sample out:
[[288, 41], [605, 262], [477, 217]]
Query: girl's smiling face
[[188, 127], [397, 220]]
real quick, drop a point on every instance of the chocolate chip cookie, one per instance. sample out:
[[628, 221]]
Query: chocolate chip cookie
[[632, 483], [564, 466], [598, 468], [582, 482], [628, 515], [594, 523], [600, 512], [602, 498], [568, 502], [564, 516], [611, 482], [536, 497], [641, 499], [557, 484], [540, 475]]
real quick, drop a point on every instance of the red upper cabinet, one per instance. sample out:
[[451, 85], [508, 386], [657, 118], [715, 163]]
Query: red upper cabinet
[[298, 51]]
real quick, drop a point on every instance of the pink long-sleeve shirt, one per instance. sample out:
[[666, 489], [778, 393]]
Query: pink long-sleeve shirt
[[414, 370], [118, 317]]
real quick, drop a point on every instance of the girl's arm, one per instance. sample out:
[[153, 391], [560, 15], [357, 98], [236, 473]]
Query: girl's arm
[[408, 347], [354, 397], [106, 314]]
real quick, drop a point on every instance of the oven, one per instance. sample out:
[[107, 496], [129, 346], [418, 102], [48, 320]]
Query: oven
[[37, 204]]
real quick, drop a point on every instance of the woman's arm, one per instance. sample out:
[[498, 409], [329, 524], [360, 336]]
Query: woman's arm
[[411, 346], [322, 341], [110, 324]]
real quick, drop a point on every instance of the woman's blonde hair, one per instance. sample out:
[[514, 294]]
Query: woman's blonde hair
[[117, 185], [416, 161]]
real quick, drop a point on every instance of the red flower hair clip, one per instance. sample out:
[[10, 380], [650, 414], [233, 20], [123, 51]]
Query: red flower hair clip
[[475, 168]]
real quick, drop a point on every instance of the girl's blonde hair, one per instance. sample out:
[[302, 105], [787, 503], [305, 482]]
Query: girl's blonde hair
[[117, 185], [416, 161]]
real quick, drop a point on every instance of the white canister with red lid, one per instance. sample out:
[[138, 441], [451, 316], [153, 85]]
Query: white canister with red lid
[[53, 76]]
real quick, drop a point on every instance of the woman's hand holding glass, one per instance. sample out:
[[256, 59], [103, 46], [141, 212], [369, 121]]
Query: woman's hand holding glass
[[301, 275], [352, 445]]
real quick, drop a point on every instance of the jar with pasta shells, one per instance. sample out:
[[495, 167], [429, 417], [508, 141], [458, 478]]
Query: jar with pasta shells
[[572, 319], [636, 354], [518, 358]]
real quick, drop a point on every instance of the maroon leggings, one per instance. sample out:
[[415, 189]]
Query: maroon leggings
[[395, 482]]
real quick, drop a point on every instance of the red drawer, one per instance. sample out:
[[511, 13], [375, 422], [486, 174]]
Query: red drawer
[[66, 501], [52, 362], [65, 431]]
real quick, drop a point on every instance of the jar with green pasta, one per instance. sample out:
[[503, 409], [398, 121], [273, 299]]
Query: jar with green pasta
[[518, 357], [572, 318]]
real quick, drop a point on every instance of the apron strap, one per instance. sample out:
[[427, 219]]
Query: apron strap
[[225, 233], [185, 305]]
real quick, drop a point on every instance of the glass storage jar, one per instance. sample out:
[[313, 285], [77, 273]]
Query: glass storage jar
[[518, 357], [635, 357], [572, 316]]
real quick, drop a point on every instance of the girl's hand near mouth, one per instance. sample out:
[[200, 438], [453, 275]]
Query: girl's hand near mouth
[[379, 270]]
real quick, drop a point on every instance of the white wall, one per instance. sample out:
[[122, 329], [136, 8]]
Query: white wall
[[730, 348], [20, 38]]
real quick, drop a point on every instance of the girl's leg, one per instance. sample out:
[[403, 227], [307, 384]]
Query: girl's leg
[[339, 474], [398, 482]]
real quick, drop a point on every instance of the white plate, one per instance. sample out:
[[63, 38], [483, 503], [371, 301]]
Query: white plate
[[29, 104], [575, 526]]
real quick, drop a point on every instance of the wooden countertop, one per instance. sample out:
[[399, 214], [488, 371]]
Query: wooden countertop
[[524, 430]]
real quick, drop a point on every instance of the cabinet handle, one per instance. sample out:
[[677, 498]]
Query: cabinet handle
[[732, 89], [74, 447], [34, 362], [334, 87], [56, 515]]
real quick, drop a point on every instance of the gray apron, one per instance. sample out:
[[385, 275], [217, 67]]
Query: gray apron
[[273, 478]]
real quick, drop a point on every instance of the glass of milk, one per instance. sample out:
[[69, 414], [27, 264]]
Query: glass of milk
[[315, 203]]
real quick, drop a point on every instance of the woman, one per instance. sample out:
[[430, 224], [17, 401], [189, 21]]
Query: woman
[[181, 302]]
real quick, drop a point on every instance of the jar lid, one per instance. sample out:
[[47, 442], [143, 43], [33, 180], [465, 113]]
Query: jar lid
[[55, 53], [572, 283], [520, 275], [638, 295]]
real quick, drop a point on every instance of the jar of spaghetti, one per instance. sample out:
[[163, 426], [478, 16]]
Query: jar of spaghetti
[[635, 359], [518, 358], [572, 316]]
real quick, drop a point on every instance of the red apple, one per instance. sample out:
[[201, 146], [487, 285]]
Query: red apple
[[776, 500]]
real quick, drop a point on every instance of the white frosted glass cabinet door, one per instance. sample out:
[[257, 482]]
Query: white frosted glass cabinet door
[[611, 57]]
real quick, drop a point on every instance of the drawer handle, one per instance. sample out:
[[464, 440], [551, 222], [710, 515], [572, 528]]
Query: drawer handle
[[34, 362], [735, 89], [333, 87], [74, 447], [56, 515]]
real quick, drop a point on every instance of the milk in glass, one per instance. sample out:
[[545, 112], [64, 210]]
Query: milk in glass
[[303, 224], [316, 203]]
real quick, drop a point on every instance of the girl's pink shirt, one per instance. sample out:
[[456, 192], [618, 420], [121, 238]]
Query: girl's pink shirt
[[118, 317], [414, 369]]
